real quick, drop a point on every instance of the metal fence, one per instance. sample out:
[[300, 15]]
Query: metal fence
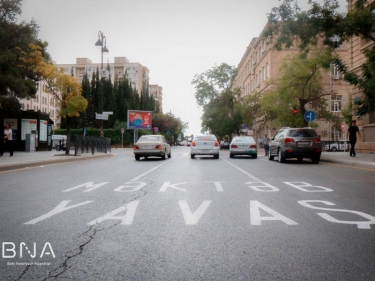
[[335, 145], [85, 144]]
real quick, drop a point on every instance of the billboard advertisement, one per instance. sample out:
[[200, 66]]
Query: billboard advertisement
[[139, 120]]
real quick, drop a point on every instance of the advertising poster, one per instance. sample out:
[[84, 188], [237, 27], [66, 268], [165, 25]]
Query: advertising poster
[[27, 125], [139, 119], [43, 124]]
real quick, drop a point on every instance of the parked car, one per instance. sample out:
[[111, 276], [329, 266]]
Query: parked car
[[205, 145], [295, 143], [224, 144], [151, 145], [243, 146], [182, 143]]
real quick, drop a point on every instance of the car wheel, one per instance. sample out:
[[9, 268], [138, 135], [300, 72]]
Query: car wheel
[[192, 156], [231, 155], [334, 149], [163, 157], [255, 156], [281, 158], [315, 159], [137, 157], [170, 154], [270, 157], [216, 156]]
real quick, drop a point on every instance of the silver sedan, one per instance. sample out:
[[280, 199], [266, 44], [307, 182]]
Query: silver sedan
[[243, 146], [151, 145]]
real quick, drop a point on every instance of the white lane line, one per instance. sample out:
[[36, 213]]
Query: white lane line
[[243, 171], [153, 169]]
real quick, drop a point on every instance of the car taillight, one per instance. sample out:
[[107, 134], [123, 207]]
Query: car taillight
[[158, 147], [253, 146], [233, 146], [135, 147], [193, 143], [286, 140], [317, 140], [216, 143]]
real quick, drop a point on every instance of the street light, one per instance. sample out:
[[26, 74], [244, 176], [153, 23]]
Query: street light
[[102, 44]]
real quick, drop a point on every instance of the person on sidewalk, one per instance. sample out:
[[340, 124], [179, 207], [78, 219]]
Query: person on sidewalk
[[352, 137], [8, 139], [260, 142], [266, 144]]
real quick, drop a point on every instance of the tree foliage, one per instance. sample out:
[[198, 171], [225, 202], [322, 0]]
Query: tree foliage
[[169, 125], [16, 77], [299, 86], [324, 21], [221, 108]]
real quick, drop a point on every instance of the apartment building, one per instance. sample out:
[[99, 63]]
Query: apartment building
[[261, 62], [46, 102], [157, 92], [354, 60], [134, 71]]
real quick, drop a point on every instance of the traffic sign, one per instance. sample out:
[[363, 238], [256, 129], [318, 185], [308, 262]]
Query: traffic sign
[[309, 116], [122, 130], [101, 116]]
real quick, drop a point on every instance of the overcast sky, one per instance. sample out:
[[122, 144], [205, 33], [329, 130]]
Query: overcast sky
[[175, 39]]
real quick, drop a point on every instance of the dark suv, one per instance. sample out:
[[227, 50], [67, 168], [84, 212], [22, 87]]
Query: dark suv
[[295, 143]]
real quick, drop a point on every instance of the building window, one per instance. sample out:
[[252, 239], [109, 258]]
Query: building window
[[336, 103], [335, 73]]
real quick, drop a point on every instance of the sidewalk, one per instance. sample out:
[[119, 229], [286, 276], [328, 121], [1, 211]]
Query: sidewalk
[[22, 159], [364, 160]]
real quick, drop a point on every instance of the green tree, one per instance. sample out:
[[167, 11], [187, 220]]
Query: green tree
[[17, 80], [64, 87], [221, 113], [324, 21], [300, 87]]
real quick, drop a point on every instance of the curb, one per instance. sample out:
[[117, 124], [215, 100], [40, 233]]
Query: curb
[[62, 158]]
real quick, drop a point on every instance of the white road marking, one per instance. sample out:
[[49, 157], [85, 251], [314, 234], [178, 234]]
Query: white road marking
[[243, 171], [153, 169], [190, 217]]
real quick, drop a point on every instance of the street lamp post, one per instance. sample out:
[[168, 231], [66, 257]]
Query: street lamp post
[[102, 44]]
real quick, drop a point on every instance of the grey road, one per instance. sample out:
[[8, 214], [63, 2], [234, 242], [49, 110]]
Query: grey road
[[188, 219]]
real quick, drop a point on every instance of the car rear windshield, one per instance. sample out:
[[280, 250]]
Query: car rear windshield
[[244, 140], [211, 138], [149, 138], [302, 133]]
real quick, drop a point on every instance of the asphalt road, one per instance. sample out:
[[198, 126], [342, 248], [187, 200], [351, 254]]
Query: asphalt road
[[187, 219]]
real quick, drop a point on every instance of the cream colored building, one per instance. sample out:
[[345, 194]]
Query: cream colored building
[[157, 92], [135, 72], [354, 61], [261, 62]]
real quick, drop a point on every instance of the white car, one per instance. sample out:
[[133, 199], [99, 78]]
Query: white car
[[151, 145], [205, 145], [243, 146]]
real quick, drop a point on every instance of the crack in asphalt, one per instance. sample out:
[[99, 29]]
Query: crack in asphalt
[[64, 267]]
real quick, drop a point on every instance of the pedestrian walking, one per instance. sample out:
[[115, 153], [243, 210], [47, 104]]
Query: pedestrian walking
[[352, 137], [260, 142], [266, 143], [7, 140]]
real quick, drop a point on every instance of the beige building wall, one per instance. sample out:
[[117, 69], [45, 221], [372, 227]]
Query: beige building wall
[[261, 63], [354, 61], [157, 92], [44, 102], [135, 72]]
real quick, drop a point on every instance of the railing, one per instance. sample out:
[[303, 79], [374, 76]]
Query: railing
[[84, 144], [335, 145]]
